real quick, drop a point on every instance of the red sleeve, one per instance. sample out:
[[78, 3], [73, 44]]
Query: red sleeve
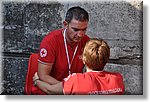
[[47, 50], [122, 84]]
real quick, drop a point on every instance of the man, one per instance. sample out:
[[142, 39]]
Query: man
[[95, 81], [61, 50]]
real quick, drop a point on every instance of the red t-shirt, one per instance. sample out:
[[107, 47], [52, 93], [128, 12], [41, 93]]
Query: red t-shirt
[[94, 83], [52, 50]]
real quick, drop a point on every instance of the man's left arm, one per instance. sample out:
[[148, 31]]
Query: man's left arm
[[47, 88]]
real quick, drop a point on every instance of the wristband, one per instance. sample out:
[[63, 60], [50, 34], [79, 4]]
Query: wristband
[[35, 82]]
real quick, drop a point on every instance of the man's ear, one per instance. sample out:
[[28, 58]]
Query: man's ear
[[65, 23]]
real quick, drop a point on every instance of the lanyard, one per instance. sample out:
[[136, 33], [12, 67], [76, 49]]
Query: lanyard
[[69, 63]]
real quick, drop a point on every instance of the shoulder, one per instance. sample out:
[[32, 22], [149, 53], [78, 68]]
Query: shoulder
[[56, 32], [114, 74], [73, 76], [53, 35]]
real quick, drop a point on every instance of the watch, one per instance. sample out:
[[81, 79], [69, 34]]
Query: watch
[[35, 82]]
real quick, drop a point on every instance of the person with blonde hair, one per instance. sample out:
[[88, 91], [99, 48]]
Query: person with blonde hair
[[95, 80]]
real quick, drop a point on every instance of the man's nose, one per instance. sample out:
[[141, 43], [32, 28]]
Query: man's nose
[[80, 33]]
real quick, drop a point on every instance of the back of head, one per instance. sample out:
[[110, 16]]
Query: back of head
[[96, 54], [76, 13]]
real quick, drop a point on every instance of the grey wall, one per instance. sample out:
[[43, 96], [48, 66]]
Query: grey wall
[[26, 23]]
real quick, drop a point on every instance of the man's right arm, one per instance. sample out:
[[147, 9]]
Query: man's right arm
[[44, 71]]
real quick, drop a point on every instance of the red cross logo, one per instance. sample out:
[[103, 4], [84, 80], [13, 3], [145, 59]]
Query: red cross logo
[[43, 52]]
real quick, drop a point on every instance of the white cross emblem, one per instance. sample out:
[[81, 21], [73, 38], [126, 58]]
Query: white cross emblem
[[43, 52]]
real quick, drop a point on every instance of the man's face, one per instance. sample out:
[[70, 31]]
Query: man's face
[[76, 30]]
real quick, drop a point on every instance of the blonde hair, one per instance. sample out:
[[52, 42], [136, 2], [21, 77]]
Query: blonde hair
[[96, 54]]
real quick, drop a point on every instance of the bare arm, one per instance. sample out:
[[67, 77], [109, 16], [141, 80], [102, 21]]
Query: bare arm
[[44, 71], [50, 89], [47, 88]]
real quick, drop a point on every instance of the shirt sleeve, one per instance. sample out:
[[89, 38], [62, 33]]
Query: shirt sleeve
[[119, 79], [47, 51], [122, 83]]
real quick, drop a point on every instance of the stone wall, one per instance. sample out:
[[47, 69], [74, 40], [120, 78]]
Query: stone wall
[[26, 23]]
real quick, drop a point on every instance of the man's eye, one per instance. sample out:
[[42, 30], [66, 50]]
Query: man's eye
[[84, 30], [76, 29]]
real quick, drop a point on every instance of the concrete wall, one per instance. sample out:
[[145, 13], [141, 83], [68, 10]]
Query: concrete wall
[[26, 23]]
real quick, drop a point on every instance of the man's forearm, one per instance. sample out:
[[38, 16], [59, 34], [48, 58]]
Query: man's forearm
[[43, 86], [50, 89], [44, 71], [49, 79]]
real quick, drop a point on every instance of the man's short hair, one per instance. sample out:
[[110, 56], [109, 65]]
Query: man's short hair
[[77, 13]]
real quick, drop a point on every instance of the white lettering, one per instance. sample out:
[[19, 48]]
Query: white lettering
[[105, 92]]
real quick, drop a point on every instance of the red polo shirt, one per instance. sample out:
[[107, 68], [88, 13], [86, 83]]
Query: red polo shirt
[[94, 83], [52, 50]]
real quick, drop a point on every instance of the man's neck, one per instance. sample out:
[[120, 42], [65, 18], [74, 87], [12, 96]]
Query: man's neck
[[90, 70]]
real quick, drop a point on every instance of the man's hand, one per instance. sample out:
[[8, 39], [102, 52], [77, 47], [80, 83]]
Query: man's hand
[[47, 88], [35, 78]]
